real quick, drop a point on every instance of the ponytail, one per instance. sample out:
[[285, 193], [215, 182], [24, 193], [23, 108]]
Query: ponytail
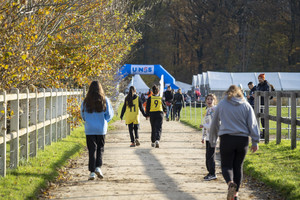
[[155, 89], [129, 97]]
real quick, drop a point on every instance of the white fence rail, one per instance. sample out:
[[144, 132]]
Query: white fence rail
[[31, 120]]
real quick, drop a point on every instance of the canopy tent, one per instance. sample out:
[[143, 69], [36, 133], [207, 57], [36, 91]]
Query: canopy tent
[[194, 81], [184, 86], [139, 84]]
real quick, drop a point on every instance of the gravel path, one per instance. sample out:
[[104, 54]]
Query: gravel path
[[174, 171]]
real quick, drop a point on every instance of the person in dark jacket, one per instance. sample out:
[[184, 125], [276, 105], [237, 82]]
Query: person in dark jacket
[[132, 105], [168, 95], [178, 103], [250, 97], [263, 85], [155, 110]]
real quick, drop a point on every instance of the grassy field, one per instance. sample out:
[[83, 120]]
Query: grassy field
[[29, 178], [189, 114], [276, 165]]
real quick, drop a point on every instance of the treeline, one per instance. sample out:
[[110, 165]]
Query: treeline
[[64, 43], [187, 36]]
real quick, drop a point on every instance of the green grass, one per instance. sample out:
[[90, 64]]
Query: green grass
[[277, 166], [188, 117], [29, 178]]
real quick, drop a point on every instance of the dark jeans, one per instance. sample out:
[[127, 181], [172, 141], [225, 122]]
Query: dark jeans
[[177, 110], [95, 145], [156, 120], [210, 159], [134, 127], [233, 150]]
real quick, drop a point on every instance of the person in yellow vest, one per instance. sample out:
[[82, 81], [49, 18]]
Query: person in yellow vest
[[155, 109], [131, 108]]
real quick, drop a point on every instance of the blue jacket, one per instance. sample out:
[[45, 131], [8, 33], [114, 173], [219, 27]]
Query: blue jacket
[[96, 123]]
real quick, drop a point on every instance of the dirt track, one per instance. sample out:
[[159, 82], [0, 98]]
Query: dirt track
[[175, 171]]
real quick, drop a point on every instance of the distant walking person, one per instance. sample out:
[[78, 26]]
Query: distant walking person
[[178, 103], [263, 85], [131, 108], [155, 108], [234, 121], [211, 101], [168, 95], [250, 97], [96, 111]]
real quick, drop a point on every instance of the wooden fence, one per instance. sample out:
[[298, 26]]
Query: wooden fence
[[31, 120], [263, 112]]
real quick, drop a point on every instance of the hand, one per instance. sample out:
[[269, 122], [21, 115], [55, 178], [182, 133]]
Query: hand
[[254, 148], [201, 126], [202, 141]]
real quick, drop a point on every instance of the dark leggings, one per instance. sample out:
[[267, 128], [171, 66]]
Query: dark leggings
[[177, 110], [156, 120], [134, 127], [210, 159], [233, 150], [95, 145]]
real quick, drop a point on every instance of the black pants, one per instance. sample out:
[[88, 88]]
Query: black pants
[[233, 150], [156, 120], [177, 110], [95, 145], [210, 159], [134, 127]]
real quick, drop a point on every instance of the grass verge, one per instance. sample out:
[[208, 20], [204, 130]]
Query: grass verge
[[30, 177], [277, 166]]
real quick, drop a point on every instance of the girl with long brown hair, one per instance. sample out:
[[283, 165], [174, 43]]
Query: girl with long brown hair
[[96, 111]]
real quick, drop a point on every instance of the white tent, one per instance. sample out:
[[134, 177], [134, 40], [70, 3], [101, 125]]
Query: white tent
[[184, 86], [289, 81], [139, 84], [194, 81]]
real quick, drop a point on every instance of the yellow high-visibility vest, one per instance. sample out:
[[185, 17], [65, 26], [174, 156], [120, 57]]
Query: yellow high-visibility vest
[[156, 104], [132, 114]]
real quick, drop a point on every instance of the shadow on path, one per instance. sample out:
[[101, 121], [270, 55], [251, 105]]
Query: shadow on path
[[162, 181]]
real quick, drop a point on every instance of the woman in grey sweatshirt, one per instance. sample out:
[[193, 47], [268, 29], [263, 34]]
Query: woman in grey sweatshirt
[[234, 121]]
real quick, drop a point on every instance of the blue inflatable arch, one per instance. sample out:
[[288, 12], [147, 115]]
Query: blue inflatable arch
[[157, 70]]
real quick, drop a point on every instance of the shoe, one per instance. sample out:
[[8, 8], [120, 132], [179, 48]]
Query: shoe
[[92, 176], [99, 172], [156, 144], [137, 142], [167, 119], [132, 145], [152, 144], [236, 198], [210, 177], [177, 119], [231, 191]]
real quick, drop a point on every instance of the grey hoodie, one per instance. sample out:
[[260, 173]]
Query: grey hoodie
[[237, 118]]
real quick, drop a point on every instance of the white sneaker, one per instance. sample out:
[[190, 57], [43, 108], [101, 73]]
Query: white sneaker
[[156, 144], [152, 144], [92, 176], [99, 172]]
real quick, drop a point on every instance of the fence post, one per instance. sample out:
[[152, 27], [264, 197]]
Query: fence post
[[3, 130], [24, 119], [278, 117], [256, 106], [41, 114], [33, 122], [266, 117], [48, 116], [59, 114], [55, 115], [14, 127], [293, 120], [65, 102]]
